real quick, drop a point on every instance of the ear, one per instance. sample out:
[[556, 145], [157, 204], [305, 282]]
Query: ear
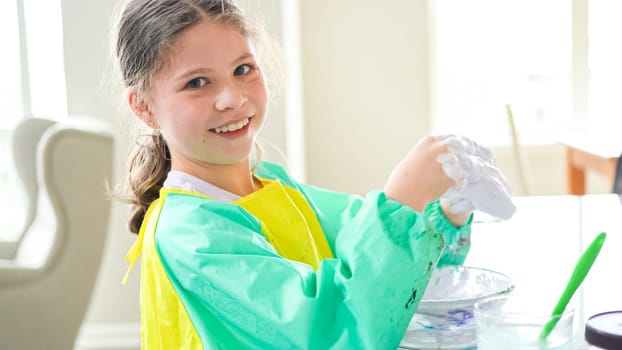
[[141, 109]]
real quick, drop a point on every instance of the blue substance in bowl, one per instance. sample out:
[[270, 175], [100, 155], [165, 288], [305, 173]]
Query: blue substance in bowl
[[444, 317]]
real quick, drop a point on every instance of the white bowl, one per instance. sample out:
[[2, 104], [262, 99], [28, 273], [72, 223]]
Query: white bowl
[[444, 318]]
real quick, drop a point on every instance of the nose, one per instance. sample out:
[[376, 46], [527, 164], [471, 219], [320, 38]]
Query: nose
[[230, 96]]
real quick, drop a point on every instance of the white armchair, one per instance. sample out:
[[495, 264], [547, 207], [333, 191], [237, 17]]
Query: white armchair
[[46, 285], [25, 138]]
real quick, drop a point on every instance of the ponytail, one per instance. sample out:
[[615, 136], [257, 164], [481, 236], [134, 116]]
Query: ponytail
[[149, 163]]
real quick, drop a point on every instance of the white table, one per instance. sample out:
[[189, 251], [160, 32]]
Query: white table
[[539, 246]]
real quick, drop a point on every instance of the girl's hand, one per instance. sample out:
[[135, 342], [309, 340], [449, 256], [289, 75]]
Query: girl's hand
[[418, 178], [461, 171]]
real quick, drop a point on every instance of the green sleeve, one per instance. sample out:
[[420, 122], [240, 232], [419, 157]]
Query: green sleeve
[[241, 294], [334, 209], [457, 239]]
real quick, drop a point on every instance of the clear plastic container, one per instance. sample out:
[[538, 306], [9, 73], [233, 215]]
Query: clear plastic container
[[515, 322], [604, 331]]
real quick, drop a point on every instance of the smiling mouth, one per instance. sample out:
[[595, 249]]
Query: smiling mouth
[[232, 127]]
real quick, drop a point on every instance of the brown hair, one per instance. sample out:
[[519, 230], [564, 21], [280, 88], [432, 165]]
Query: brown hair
[[146, 30]]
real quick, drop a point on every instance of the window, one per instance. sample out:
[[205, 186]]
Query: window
[[32, 70], [46, 67], [489, 53], [10, 95], [10, 105]]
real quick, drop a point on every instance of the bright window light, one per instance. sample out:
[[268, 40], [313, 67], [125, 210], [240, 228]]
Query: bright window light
[[33, 84], [11, 107], [10, 96], [44, 29], [489, 53]]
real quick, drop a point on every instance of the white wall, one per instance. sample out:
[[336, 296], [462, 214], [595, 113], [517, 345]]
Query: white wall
[[365, 69]]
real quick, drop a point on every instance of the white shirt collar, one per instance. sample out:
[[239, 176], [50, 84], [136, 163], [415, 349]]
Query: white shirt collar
[[184, 181]]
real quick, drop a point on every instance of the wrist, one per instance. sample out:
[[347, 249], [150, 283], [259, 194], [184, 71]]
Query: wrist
[[455, 218], [417, 201]]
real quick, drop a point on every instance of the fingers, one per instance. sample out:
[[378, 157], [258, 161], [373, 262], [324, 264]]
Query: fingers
[[419, 178]]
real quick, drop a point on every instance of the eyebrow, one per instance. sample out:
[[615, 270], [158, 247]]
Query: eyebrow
[[200, 70]]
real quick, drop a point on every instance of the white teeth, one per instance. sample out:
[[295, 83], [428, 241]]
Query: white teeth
[[232, 127]]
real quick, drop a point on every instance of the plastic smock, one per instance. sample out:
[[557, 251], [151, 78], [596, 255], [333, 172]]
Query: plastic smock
[[212, 279]]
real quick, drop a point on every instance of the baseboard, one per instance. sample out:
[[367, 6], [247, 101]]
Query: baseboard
[[109, 336]]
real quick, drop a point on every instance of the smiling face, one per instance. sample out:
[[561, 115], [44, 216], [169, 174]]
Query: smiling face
[[209, 100]]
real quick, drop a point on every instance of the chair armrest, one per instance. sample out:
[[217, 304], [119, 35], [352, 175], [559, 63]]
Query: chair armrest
[[7, 249], [11, 273]]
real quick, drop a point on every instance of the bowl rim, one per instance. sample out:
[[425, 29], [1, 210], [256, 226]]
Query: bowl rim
[[470, 300]]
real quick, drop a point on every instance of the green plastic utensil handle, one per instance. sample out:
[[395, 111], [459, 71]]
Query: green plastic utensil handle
[[578, 275]]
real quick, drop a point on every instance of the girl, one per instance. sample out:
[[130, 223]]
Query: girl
[[236, 254]]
